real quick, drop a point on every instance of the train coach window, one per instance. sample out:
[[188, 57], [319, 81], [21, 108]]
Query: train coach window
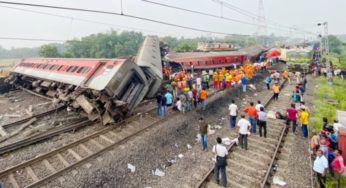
[[69, 69], [74, 69], [60, 68], [83, 70], [48, 67], [110, 66]]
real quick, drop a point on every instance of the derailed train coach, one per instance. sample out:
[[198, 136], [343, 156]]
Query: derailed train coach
[[106, 89]]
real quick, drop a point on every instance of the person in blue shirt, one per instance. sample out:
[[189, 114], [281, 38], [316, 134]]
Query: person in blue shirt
[[169, 98], [244, 82], [267, 82]]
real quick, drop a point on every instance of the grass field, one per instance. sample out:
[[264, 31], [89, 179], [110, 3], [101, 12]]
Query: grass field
[[7, 64], [324, 91], [322, 109]]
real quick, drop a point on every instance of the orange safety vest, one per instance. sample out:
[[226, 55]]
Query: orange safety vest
[[203, 95]]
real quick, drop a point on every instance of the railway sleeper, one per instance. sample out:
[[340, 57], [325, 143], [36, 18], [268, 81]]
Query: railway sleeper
[[249, 160]]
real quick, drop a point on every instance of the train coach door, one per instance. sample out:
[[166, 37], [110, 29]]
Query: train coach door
[[96, 72]]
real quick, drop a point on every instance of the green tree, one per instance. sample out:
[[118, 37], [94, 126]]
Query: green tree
[[49, 50], [335, 45]]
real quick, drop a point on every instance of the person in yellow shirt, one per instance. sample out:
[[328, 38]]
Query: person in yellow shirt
[[216, 80], [286, 76], [276, 91], [228, 80], [304, 120], [220, 78]]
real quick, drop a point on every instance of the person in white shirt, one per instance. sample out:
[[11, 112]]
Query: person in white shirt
[[244, 129], [262, 122], [179, 105], [337, 125], [221, 162], [321, 167], [258, 106], [233, 110]]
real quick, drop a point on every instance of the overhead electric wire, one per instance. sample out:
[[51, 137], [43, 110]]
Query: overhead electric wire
[[277, 27], [204, 14], [81, 19], [254, 16], [116, 14], [31, 39]]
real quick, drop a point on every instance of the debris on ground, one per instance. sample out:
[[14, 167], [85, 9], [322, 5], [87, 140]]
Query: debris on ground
[[278, 181], [271, 115], [131, 167], [189, 146], [158, 172], [180, 156]]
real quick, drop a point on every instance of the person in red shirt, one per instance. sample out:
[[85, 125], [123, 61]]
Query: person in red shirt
[[292, 117], [252, 113], [195, 97], [338, 166]]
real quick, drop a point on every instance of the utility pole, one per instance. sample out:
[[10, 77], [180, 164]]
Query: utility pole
[[325, 44], [262, 25]]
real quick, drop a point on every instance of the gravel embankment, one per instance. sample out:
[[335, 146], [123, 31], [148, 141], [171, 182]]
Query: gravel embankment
[[154, 149], [294, 166]]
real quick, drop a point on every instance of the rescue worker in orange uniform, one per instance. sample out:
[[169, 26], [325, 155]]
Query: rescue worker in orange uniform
[[221, 80], [216, 80], [285, 75], [203, 95], [228, 80]]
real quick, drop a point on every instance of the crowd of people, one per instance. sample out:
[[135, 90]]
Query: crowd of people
[[325, 150], [189, 90]]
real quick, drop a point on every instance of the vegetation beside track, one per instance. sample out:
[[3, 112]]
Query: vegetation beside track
[[322, 109], [324, 91]]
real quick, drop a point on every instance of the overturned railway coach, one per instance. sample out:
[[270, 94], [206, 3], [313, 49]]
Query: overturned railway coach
[[106, 89]]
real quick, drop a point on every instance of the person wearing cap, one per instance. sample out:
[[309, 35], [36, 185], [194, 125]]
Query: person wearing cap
[[320, 168], [304, 120]]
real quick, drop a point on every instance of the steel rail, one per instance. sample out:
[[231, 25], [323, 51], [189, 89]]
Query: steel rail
[[40, 182], [203, 181], [34, 116], [278, 146], [47, 155], [46, 135]]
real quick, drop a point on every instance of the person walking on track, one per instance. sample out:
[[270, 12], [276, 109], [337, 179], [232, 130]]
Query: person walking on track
[[292, 114], [203, 131], [244, 129], [262, 122], [252, 112], [267, 82], [244, 83], [221, 162], [276, 91], [233, 111], [203, 97]]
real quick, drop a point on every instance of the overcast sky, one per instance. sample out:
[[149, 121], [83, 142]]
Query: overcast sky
[[303, 14]]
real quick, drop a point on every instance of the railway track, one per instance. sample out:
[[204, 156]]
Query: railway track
[[50, 165], [254, 167], [33, 116]]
